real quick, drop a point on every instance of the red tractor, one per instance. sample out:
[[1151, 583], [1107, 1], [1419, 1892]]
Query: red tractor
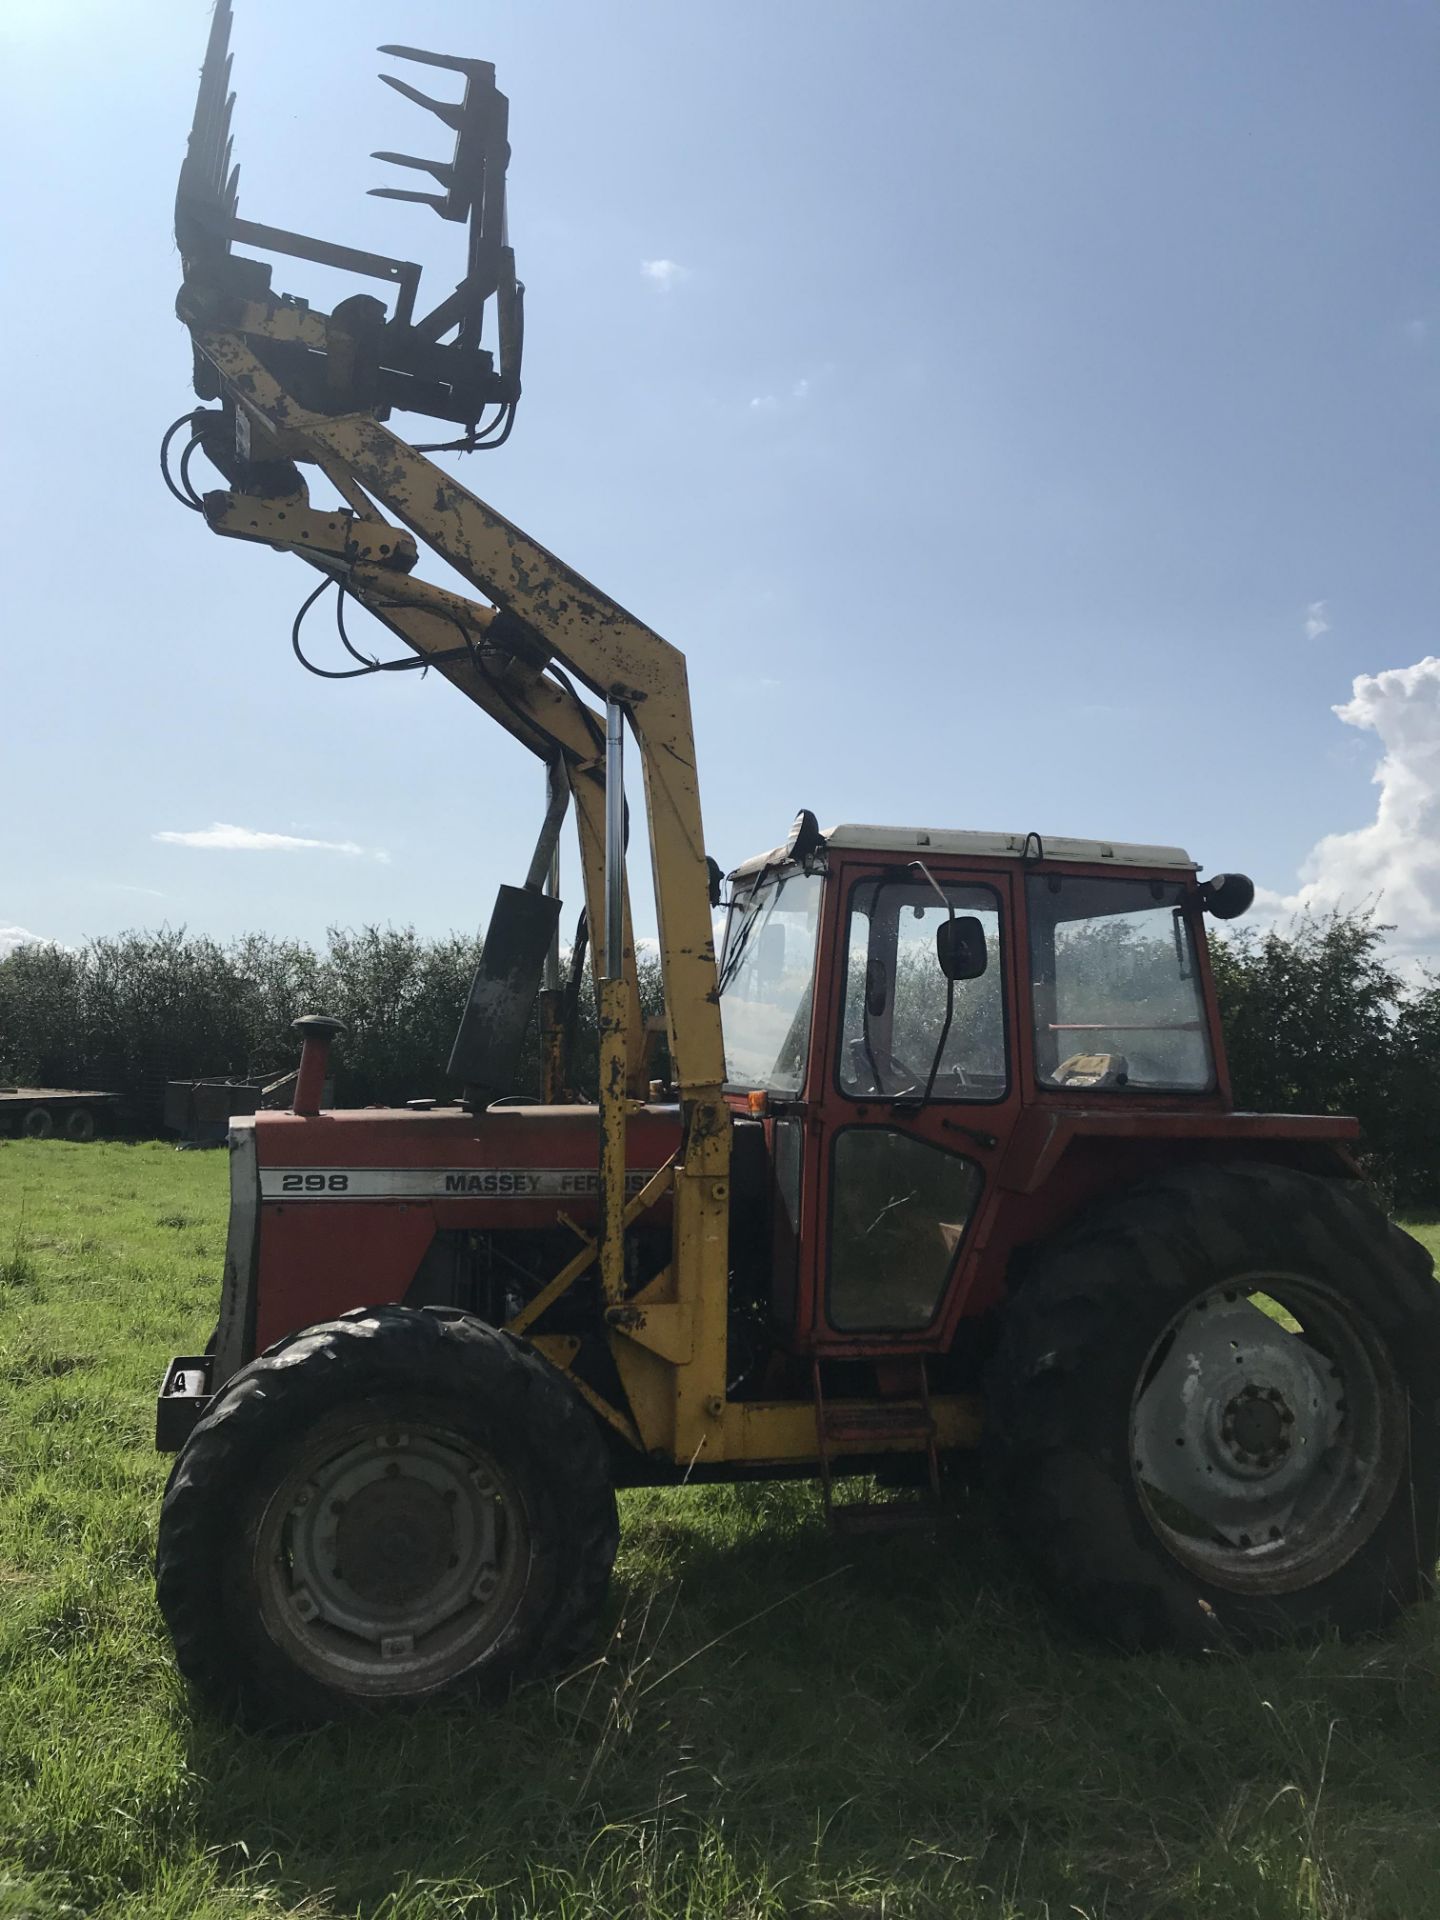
[[943, 1157]]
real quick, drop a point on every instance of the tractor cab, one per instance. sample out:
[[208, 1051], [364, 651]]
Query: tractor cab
[[909, 1012]]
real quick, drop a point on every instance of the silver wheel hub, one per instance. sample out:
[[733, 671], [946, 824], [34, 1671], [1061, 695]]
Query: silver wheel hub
[[1235, 1419], [392, 1557], [1267, 1433]]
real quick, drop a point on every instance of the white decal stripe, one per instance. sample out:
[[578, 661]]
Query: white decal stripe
[[436, 1183]]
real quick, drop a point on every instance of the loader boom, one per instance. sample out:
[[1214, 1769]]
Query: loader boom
[[301, 388]]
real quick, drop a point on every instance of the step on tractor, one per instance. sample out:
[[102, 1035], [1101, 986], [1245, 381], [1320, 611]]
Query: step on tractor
[[936, 1158]]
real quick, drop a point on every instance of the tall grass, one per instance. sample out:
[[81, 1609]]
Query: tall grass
[[776, 1725]]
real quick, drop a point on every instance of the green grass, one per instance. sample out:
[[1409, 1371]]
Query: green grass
[[779, 1725]]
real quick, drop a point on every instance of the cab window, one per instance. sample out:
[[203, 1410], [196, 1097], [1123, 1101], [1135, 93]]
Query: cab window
[[900, 1208], [908, 1025], [767, 980], [1116, 989]]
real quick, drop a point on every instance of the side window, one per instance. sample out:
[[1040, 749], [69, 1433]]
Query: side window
[[899, 1208], [895, 1039]]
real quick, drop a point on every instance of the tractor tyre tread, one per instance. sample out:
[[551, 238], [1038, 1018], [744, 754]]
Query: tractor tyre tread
[[369, 1352], [1058, 1461]]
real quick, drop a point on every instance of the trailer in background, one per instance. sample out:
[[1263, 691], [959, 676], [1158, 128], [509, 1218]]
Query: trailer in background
[[200, 1111], [38, 1113]]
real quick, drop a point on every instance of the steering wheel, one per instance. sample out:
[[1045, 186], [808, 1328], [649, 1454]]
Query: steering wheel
[[886, 1065]]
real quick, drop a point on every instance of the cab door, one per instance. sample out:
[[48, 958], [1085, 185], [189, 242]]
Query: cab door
[[918, 1098]]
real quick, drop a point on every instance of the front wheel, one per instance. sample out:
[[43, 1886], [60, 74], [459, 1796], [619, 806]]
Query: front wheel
[[1213, 1412], [384, 1509]]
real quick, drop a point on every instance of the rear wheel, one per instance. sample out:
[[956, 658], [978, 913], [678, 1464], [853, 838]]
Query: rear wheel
[[384, 1509], [80, 1124], [1213, 1412]]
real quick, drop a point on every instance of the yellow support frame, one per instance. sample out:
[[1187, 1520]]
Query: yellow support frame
[[678, 1407]]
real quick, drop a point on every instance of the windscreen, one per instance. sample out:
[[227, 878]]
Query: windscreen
[[767, 982]]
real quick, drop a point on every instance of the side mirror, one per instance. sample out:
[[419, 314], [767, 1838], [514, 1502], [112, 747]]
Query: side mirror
[[1227, 895], [960, 947]]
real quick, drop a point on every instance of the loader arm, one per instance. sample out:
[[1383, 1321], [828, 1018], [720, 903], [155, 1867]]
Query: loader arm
[[533, 708], [298, 387]]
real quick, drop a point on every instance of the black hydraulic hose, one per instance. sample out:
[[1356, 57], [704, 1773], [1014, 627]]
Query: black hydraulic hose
[[191, 501]]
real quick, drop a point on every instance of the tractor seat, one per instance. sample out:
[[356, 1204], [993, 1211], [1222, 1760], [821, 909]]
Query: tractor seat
[[1093, 1070]]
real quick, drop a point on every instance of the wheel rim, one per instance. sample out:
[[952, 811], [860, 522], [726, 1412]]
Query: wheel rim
[[391, 1558], [1267, 1434]]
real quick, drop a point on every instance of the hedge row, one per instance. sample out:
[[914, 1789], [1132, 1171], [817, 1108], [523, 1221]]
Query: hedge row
[[1317, 1017]]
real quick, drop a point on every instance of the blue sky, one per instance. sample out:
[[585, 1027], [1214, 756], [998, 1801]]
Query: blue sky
[[1035, 427]]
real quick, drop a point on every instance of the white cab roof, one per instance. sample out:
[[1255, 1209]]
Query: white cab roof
[[952, 840]]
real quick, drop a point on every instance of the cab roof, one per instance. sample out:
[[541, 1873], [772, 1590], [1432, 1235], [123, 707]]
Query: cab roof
[[1013, 846]]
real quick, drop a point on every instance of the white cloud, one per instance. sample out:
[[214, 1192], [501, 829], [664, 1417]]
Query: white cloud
[[230, 839], [13, 937], [664, 275], [1394, 862], [799, 391], [1317, 619]]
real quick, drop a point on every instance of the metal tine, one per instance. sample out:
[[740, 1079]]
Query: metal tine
[[215, 69], [220, 152], [217, 56], [455, 62], [434, 200], [213, 104], [208, 130], [452, 116], [442, 172]]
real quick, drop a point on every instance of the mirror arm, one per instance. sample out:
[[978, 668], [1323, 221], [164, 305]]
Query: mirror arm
[[919, 866]]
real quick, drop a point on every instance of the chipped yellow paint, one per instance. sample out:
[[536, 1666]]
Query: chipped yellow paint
[[675, 1384]]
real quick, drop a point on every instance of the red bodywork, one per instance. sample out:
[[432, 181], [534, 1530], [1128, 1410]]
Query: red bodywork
[[512, 1169], [350, 1202]]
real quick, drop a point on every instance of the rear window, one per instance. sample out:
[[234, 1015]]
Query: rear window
[[1117, 1001]]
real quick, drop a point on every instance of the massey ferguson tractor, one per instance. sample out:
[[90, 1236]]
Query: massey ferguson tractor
[[940, 1155]]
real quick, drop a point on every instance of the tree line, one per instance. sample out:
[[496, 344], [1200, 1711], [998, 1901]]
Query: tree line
[[132, 1013], [1317, 1018]]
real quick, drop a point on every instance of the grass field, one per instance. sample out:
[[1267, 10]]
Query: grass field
[[779, 1725]]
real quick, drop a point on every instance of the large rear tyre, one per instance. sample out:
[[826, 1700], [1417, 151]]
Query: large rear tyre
[[384, 1509], [1214, 1414]]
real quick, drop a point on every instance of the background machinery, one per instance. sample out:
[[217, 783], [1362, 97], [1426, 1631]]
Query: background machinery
[[943, 1158]]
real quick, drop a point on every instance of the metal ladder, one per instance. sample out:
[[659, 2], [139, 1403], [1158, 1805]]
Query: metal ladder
[[899, 1425]]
